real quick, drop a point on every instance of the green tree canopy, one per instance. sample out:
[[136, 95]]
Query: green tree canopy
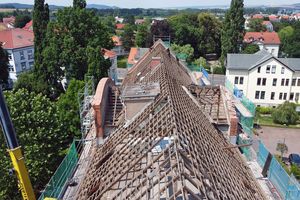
[[79, 4], [186, 49], [21, 21], [4, 65], [249, 48], [256, 25], [141, 39], [285, 113], [127, 38], [284, 35], [38, 128], [160, 28]]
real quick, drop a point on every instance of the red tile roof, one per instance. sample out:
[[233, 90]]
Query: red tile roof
[[285, 17], [131, 57], [139, 20], [272, 17], [10, 19], [109, 53], [119, 26], [28, 25], [116, 40], [266, 23], [267, 37], [16, 38], [257, 16], [297, 15], [3, 24]]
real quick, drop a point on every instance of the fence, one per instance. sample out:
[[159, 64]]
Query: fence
[[60, 177], [284, 184]]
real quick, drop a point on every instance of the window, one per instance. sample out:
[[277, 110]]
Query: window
[[274, 81], [257, 95], [297, 97], [258, 81], [294, 81], [272, 95], [12, 68], [268, 68], [258, 69], [287, 82], [282, 70], [241, 80], [31, 64], [282, 82], [30, 56], [236, 80], [262, 95], [9, 57], [280, 96], [273, 50], [298, 84], [264, 81], [22, 55], [284, 96], [23, 64], [291, 95], [273, 69]]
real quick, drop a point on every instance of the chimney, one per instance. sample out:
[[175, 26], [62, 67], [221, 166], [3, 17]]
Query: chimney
[[155, 62]]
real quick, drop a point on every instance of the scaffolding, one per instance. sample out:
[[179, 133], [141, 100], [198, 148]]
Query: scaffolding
[[165, 39], [85, 99]]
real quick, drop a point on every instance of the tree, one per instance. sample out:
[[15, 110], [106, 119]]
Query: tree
[[4, 66], [284, 36], [249, 48], [21, 21], [148, 12], [233, 29], [285, 113], [292, 48], [131, 20], [186, 49], [141, 39], [159, 28], [282, 147], [69, 109], [38, 128], [256, 25], [127, 38], [79, 4]]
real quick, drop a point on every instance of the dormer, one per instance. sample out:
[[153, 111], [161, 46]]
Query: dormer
[[251, 39], [261, 39]]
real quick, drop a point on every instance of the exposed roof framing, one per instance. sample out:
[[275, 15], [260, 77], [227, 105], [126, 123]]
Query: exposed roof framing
[[171, 150]]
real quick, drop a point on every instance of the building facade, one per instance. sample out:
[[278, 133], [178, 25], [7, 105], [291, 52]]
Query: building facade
[[118, 48], [265, 79], [20, 47]]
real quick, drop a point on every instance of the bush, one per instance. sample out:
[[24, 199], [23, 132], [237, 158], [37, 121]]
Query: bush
[[263, 110], [218, 70], [285, 114]]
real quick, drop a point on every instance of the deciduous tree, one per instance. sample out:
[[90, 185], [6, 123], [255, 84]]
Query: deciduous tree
[[256, 25], [285, 113], [141, 39], [127, 38], [21, 21], [186, 49]]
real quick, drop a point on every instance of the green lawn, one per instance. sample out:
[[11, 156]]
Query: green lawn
[[122, 62], [267, 121]]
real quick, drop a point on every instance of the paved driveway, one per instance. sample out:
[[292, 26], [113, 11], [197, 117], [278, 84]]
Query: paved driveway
[[270, 135]]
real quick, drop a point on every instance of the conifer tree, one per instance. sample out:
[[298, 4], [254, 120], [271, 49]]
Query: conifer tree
[[233, 29], [79, 4]]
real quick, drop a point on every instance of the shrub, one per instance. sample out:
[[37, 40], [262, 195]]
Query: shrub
[[285, 114], [218, 70]]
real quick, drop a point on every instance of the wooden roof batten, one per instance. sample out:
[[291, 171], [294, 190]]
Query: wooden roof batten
[[170, 151]]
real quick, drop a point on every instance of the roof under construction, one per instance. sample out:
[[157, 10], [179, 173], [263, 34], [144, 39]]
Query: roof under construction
[[171, 148]]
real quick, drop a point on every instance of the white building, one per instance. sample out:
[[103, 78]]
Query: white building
[[265, 79], [269, 25], [265, 40], [112, 71], [19, 44]]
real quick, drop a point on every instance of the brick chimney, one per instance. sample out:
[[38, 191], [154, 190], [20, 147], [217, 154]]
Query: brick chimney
[[155, 62]]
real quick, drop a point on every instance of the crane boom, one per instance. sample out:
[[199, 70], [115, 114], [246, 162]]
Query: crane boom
[[15, 152]]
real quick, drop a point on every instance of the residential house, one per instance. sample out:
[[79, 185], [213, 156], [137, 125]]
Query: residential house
[[20, 46], [9, 20], [119, 26], [119, 19], [139, 21], [246, 25], [269, 25], [274, 18], [135, 55], [265, 79], [2, 26], [265, 40], [29, 26], [297, 16], [118, 46], [112, 71], [257, 16], [284, 17]]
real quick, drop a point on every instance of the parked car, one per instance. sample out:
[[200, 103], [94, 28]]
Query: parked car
[[294, 158]]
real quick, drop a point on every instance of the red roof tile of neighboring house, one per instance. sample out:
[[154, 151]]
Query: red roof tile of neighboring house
[[285, 17], [266, 23], [272, 17], [263, 37], [119, 26], [257, 16], [118, 19], [139, 20], [10, 19], [109, 53], [131, 57], [28, 25], [16, 38], [3, 24], [116, 40], [297, 15]]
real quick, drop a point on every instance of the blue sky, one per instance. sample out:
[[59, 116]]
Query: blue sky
[[159, 3]]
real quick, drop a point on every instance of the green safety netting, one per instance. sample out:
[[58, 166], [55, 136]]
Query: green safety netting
[[129, 66], [61, 175], [247, 124], [246, 149], [249, 105], [195, 68], [181, 56], [229, 85]]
